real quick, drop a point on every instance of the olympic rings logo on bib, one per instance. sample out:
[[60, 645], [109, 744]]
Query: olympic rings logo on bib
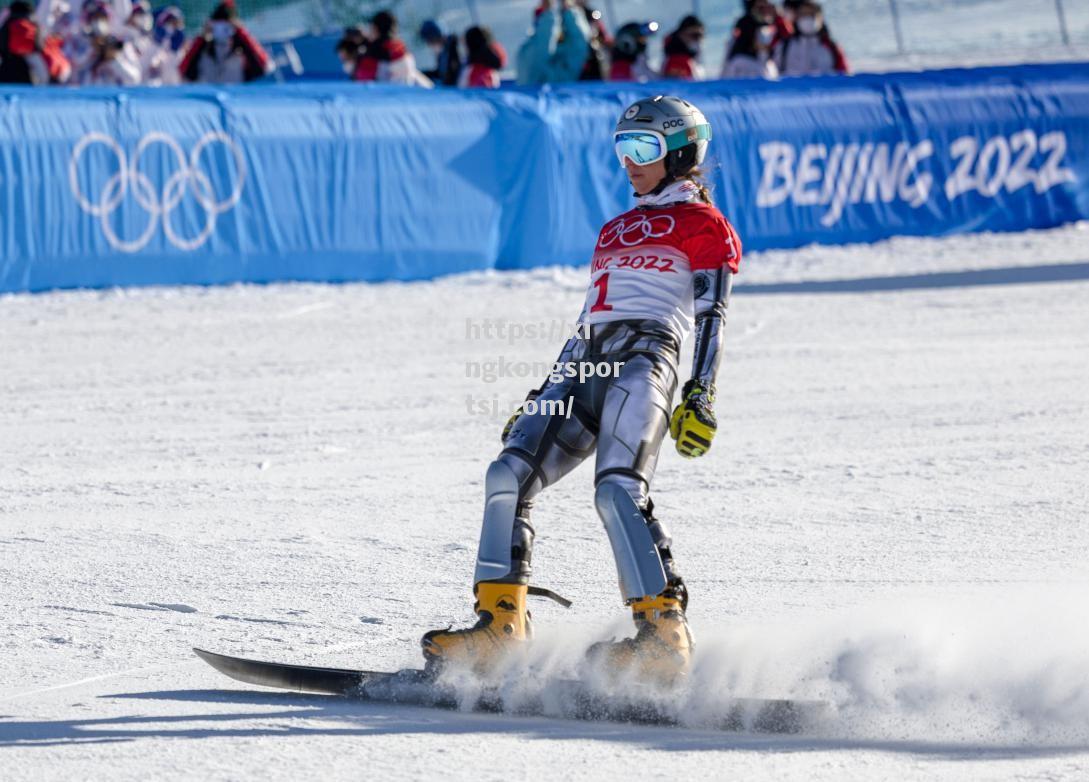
[[634, 230], [158, 203]]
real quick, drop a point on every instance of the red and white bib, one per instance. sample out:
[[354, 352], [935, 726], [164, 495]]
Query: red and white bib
[[645, 260]]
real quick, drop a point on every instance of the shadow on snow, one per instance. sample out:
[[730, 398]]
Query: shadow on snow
[[299, 715]]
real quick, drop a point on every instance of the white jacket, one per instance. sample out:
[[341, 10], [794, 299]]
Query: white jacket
[[745, 66], [805, 55]]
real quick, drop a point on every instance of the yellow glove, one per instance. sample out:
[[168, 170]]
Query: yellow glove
[[517, 414], [693, 423]]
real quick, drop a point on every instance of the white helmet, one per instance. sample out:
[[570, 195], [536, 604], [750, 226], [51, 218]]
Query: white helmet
[[663, 128]]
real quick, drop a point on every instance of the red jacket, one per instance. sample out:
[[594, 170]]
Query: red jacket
[[680, 62], [621, 70], [376, 53], [18, 40], [53, 54], [483, 67]]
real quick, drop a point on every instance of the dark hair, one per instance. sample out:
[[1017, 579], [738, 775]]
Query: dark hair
[[225, 12], [477, 38], [689, 21], [385, 22], [20, 9], [348, 45], [744, 37], [479, 41]]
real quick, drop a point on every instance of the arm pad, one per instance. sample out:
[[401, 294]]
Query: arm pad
[[711, 294]]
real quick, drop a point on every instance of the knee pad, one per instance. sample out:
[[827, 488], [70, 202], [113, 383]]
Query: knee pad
[[639, 565]]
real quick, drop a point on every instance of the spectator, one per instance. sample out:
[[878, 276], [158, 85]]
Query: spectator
[[56, 64], [682, 51], [21, 60], [750, 53], [790, 11], [811, 51], [66, 28], [349, 49], [140, 20], [544, 57], [54, 18], [225, 52], [766, 12], [629, 54], [106, 60], [110, 66], [447, 57], [138, 35], [170, 38], [385, 58], [600, 42], [74, 32], [486, 57]]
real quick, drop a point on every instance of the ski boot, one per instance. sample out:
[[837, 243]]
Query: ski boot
[[660, 652], [503, 627]]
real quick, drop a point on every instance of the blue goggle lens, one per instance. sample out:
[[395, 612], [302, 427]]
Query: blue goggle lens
[[642, 148]]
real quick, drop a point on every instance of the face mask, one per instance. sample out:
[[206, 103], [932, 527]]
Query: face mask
[[222, 31], [348, 66], [807, 25], [765, 36], [100, 27]]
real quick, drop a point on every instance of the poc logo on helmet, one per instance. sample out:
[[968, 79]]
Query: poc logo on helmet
[[673, 123]]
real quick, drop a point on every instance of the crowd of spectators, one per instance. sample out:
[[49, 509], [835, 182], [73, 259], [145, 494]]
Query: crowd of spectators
[[569, 41], [122, 42]]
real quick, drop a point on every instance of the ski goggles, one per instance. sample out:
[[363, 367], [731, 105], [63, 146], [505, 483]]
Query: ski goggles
[[644, 147]]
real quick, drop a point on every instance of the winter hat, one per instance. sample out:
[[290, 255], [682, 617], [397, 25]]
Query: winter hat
[[430, 31]]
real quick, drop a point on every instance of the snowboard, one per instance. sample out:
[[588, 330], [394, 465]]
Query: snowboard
[[567, 698]]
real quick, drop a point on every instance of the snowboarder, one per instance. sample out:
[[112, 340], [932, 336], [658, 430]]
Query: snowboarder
[[655, 270]]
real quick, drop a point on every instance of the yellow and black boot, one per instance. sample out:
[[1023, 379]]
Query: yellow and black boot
[[661, 651], [503, 627]]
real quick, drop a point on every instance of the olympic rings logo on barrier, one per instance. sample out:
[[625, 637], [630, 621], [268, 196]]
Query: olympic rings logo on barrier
[[635, 230], [160, 205]]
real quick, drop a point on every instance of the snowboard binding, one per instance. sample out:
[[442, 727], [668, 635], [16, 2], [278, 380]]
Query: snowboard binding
[[661, 651], [503, 626]]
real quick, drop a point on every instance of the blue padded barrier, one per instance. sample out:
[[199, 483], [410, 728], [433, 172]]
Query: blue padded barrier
[[335, 181]]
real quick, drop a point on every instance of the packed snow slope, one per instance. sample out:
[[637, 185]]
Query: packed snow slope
[[892, 519]]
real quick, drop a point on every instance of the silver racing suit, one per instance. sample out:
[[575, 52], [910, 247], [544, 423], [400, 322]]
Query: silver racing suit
[[624, 418]]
